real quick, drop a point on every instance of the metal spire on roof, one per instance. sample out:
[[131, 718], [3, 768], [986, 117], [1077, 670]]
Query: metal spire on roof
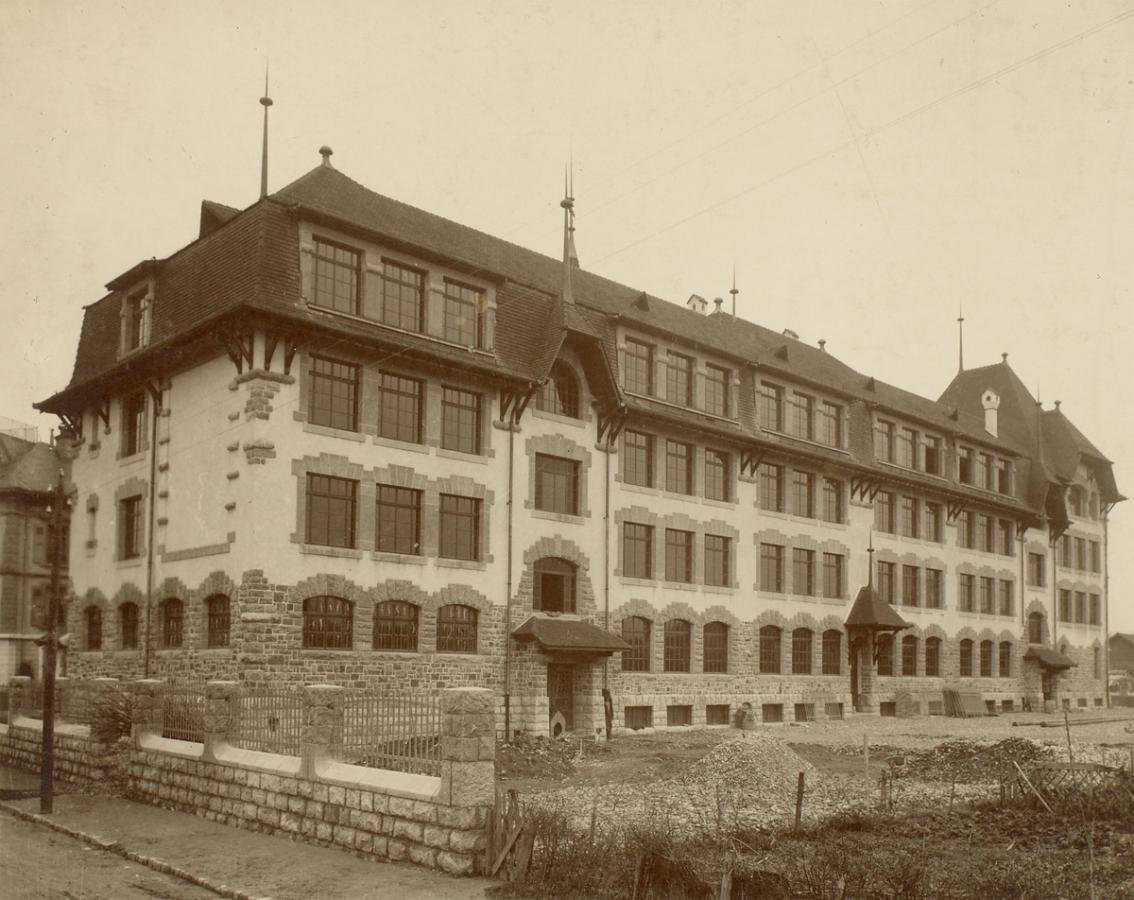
[[733, 290], [960, 339], [570, 257], [265, 102]]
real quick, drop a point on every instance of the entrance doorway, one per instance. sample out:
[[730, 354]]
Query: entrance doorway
[[560, 698]]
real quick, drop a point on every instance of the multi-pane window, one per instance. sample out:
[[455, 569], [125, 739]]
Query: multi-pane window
[[677, 645], [637, 550], [715, 647], [639, 357], [399, 520], [829, 424], [884, 515], [172, 622], [1064, 605], [803, 493], [967, 593], [1003, 476], [1007, 597], [134, 321], [886, 579], [399, 408], [1080, 607], [982, 462], [771, 487], [1037, 567], [905, 448], [330, 511], [717, 562], [985, 534], [460, 527], [638, 458], [218, 621], [717, 384], [1007, 538], [456, 629], [966, 529], [94, 628], [556, 484], [128, 626], [986, 659], [934, 588], [395, 625], [911, 516], [801, 651], [678, 467], [1035, 628], [1004, 657], [560, 393], [336, 284], [909, 656], [933, 522], [832, 652], [832, 503], [1081, 553], [770, 650], [328, 623], [717, 475], [933, 657], [130, 528], [884, 652], [966, 658], [801, 413], [772, 568], [1065, 551], [636, 633], [803, 571], [133, 423], [911, 583], [679, 379], [1095, 611], [965, 465], [884, 441], [403, 297], [770, 406], [334, 394], [460, 420], [678, 555], [1095, 556], [987, 589], [461, 323], [833, 575], [931, 456], [553, 587]]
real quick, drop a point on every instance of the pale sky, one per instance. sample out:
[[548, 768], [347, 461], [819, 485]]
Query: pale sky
[[867, 166]]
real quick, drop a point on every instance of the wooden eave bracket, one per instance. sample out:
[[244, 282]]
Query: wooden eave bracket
[[272, 340], [750, 461], [953, 510], [102, 412], [610, 425], [238, 345], [864, 487]]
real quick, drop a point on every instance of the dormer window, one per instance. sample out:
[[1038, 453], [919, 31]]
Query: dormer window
[[965, 465], [639, 377], [135, 321], [931, 456], [801, 423], [770, 406], [337, 276], [884, 441], [829, 424], [464, 306], [679, 379], [403, 297], [560, 393]]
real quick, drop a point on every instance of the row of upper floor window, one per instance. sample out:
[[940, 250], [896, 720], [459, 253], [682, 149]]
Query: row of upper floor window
[[1079, 607], [639, 555], [679, 379], [1079, 553]]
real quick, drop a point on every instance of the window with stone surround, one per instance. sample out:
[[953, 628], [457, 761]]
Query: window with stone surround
[[463, 318], [884, 515], [803, 493], [330, 511], [986, 659], [887, 578], [172, 623], [832, 504], [933, 519], [639, 375], [134, 308], [905, 448], [832, 652], [636, 633], [1095, 610], [638, 458], [1096, 556], [1064, 605], [1035, 628], [801, 651], [966, 529], [718, 383], [218, 621], [1006, 533], [1081, 554], [560, 393], [803, 571], [911, 516], [93, 616], [402, 296], [556, 484], [909, 656], [770, 650], [460, 420], [933, 657], [884, 441], [833, 576], [553, 585], [801, 415], [678, 467], [884, 653], [398, 520], [678, 555], [718, 475], [460, 527], [770, 406], [965, 662], [911, 584], [333, 397], [337, 278], [931, 455], [772, 568], [328, 623], [130, 527], [965, 465], [771, 478], [967, 592], [1007, 597], [133, 423], [679, 379], [456, 629], [678, 645], [987, 591], [829, 424], [1037, 567], [717, 559], [128, 626], [934, 588], [714, 638], [1080, 608], [637, 550], [395, 626], [400, 408], [1004, 657]]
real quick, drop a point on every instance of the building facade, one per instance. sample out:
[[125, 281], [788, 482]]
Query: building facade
[[340, 439]]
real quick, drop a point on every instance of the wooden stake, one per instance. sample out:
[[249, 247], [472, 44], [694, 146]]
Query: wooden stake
[[1039, 796], [799, 800], [1067, 725], [865, 755]]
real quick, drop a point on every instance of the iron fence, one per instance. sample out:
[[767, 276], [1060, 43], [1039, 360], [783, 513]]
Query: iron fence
[[183, 713], [269, 720], [391, 731]]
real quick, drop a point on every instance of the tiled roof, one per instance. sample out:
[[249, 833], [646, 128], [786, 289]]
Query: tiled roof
[[569, 635], [871, 611], [35, 469]]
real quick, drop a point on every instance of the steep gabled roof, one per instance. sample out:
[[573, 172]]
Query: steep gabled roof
[[871, 611], [32, 468]]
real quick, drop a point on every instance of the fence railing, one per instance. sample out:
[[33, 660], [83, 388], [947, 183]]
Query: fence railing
[[269, 720], [183, 713], [391, 731]]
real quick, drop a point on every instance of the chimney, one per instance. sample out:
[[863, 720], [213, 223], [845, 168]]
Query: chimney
[[991, 403], [697, 303], [718, 302], [823, 344]]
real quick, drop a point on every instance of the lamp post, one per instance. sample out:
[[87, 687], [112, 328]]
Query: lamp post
[[50, 650]]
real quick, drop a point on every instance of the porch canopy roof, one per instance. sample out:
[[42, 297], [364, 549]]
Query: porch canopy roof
[[870, 611], [1050, 659], [569, 636]]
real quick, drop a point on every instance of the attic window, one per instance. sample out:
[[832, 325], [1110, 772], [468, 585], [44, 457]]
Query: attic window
[[135, 321], [337, 276]]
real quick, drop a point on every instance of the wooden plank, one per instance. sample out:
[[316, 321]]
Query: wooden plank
[[504, 850]]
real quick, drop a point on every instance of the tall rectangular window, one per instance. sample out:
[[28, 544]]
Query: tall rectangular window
[[1080, 607], [965, 465], [403, 297], [1095, 610], [829, 424], [464, 306], [718, 475], [886, 579], [637, 550], [678, 555], [678, 467], [931, 456], [639, 378], [980, 472], [771, 487], [884, 512], [833, 575], [718, 382], [905, 449], [832, 509], [1004, 476], [1007, 597], [1006, 537], [399, 520], [803, 494], [911, 516], [638, 461], [399, 408], [556, 484], [911, 584], [337, 281], [460, 527], [772, 568], [717, 552], [770, 406], [803, 572], [133, 423], [967, 583], [130, 528], [934, 588], [134, 321], [1096, 557], [330, 511], [1081, 554], [1037, 568], [933, 522], [986, 534], [987, 590], [1064, 610], [460, 420], [334, 394], [884, 441], [966, 529], [679, 379], [802, 420]]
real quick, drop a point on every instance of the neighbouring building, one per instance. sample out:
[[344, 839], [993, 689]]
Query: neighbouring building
[[340, 439], [28, 473], [1122, 653]]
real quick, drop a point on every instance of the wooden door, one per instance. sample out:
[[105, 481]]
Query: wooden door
[[561, 695]]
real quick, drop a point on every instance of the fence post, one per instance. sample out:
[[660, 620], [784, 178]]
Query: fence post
[[147, 707], [221, 699], [18, 688], [322, 725], [468, 747]]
